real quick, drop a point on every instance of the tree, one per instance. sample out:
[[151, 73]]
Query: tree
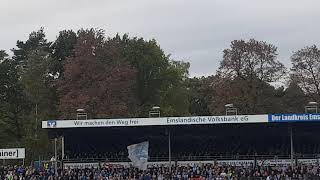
[[244, 72], [306, 70], [3, 55], [158, 77], [36, 40], [62, 49], [198, 96], [31, 59], [251, 60], [96, 79], [35, 77], [294, 99], [38, 84], [174, 98], [258, 100], [12, 103]]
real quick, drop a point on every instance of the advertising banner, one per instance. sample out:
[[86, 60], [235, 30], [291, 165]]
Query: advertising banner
[[235, 162], [81, 165], [163, 121], [294, 118], [16, 153], [286, 162]]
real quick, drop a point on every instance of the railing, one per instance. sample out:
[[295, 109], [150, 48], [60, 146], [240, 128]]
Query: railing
[[199, 158]]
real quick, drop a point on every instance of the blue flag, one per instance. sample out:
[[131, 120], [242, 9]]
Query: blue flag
[[138, 154]]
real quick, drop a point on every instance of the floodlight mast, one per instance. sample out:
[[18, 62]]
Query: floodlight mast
[[81, 114], [155, 112], [155, 108], [231, 110], [311, 107]]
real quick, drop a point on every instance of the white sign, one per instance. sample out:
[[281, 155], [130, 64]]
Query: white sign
[[248, 162], [285, 162], [80, 165], [273, 162], [235, 162], [18, 153], [186, 163], [195, 120], [308, 161]]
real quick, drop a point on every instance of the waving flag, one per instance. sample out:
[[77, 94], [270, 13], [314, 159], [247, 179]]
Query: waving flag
[[138, 154]]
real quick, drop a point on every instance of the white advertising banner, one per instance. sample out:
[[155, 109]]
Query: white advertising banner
[[273, 162], [248, 162], [80, 165], [153, 164], [308, 161], [235, 162], [16, 153], [286, 162], [163, 121]]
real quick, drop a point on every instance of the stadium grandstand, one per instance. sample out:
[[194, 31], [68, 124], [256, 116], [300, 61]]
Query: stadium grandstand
[[246, 147], [196, 142], [290, 139]]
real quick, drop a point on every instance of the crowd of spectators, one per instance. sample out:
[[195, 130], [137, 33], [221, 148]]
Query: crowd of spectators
[[199, 172]]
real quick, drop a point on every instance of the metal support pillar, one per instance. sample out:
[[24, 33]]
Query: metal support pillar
[[55, 157], [169, 148], [291, 146], [62, 147]]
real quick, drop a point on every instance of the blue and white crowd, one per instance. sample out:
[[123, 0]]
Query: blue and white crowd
[[199, 172]]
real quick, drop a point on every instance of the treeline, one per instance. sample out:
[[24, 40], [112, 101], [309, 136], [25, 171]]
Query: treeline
[[122, 76]]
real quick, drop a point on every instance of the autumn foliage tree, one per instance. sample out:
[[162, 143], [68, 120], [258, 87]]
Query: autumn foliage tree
[[96, 79], [306, 70], [251, 60], [244, 72], [122, 76]]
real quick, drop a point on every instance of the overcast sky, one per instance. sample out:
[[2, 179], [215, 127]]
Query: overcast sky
[[191, 30]]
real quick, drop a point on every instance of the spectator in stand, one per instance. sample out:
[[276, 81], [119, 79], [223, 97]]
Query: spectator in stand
[[202, 172]]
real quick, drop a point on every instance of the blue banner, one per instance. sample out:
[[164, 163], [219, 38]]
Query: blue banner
[[293, 117]]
